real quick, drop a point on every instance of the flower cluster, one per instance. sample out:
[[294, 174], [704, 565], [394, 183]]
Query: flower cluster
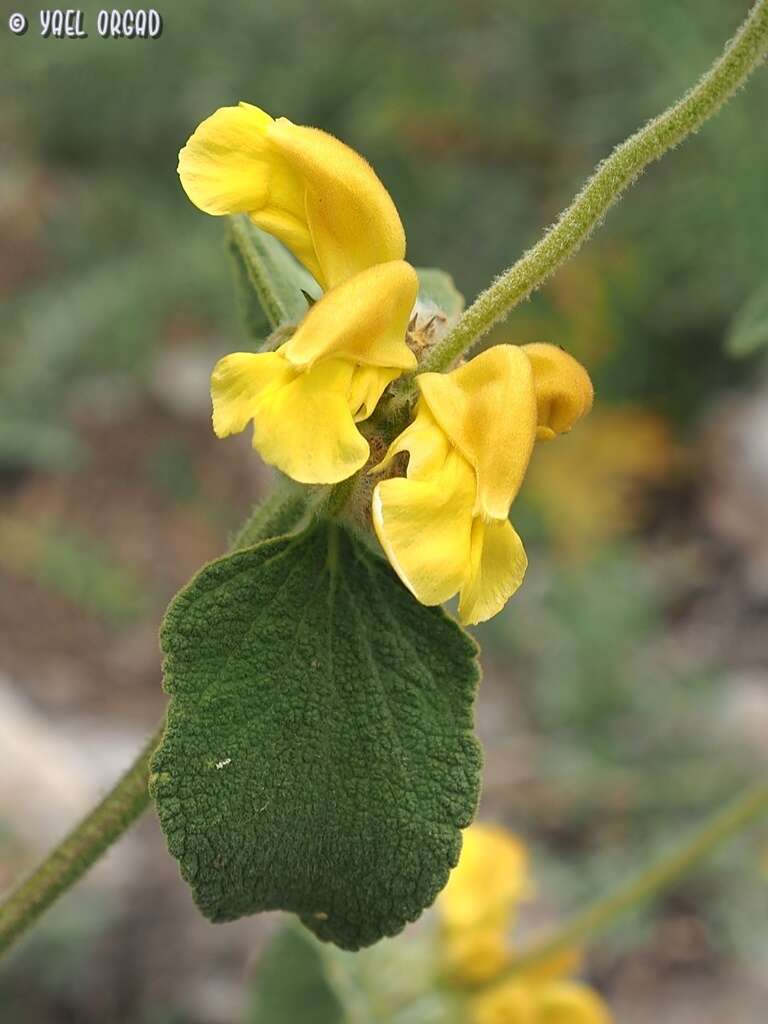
[[443, 525], [477, 910]]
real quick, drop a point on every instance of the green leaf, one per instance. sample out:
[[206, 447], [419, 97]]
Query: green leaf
[[252, 315], [290, 984], [397, 981], [276, 278], [437, 287], [749, 330], [280, 513], [319, 755]]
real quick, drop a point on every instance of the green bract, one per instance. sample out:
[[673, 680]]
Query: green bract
[[299, 980], [292, 984], [273, 285], [748, 332], [318, 756], [437, 286]]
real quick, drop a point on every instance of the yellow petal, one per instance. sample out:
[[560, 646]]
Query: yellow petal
[[367, 386], [564, 391], [305, 398], [507, 1003], [488, 409], [425, 526], [230, 165], [426, 443], [488, 882], [570, 1002], [353, 222], [554, 967], [238, 382], [496, 569], [306, 428], [225, 166], [292, 231], [364, 320], [475, 955], [319, 197]]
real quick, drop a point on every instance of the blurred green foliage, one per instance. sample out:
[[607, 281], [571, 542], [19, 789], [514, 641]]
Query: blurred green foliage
[[76, 566], [88, 574], [55, 964], [628, 754]]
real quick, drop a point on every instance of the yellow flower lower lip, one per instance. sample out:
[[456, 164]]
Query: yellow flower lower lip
[[302, 422], [364, 319], [487, 409], [305, 399], [434, 524]]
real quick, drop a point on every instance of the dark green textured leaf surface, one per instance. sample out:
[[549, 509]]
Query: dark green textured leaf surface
[[319, 755], [290, 986]]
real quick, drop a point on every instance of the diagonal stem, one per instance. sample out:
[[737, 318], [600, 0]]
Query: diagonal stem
[[278, 513], [70, 860], [740, 57], [129, 797], [649, 883]]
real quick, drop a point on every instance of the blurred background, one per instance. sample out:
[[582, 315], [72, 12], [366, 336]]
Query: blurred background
[[626, 686]]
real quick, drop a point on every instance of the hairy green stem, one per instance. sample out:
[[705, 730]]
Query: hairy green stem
[[277, 514], [740, 57], [69, 861], [650, 882]]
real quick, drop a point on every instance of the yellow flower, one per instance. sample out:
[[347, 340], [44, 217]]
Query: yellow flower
[[444, 526], [488, 882], [571, 1002], [324, 203], [516, 1002], [509, 1003], [477, 905], [477, 955], [305, 398], [302, 185], [477, 908], [602, 476]]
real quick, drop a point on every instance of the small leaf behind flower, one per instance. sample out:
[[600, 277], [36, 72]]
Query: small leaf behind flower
[[291, 985], [319, 755], [278, 281], [749, 331], [437, 287], [299, 980]]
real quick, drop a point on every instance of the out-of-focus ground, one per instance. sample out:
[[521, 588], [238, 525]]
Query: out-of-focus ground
[[626, 686]]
